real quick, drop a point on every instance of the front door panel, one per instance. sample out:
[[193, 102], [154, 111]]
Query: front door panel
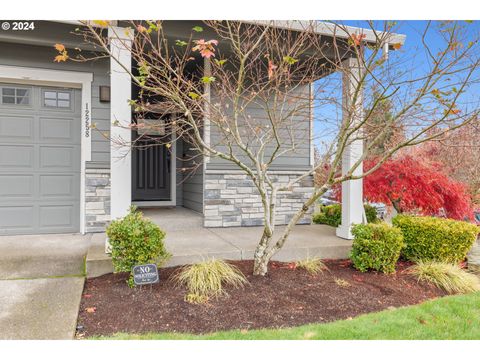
[[150, 171]]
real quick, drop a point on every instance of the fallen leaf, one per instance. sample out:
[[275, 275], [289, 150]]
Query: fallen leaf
[[87, 296], [91, 309], [357, 278]]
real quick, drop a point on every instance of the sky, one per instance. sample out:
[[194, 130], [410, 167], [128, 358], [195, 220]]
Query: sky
[[412, 53]]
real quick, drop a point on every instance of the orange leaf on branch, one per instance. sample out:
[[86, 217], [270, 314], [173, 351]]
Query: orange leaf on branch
[[60, 47], [63, 55], [357, 39], [206, 48], [102, 23], [141, 29], [271, 69]]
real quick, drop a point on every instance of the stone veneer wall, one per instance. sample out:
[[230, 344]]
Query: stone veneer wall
[[230, 199], [97, 199]]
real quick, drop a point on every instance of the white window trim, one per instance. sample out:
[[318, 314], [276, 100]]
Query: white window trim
[[61, 78]]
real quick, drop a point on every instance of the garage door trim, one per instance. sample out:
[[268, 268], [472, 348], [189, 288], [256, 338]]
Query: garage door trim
[[61, 78]]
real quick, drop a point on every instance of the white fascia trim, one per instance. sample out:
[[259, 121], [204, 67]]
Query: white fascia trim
[[72, 79], [330, 29], [82, 22]]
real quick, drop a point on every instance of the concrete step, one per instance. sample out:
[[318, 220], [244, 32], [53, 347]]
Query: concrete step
[[98, 263], [35, 256]]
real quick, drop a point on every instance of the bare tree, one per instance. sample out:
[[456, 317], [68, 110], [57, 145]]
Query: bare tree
[[210, 79], [457, 153]]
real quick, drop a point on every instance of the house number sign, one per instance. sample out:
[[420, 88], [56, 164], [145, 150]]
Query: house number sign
[[145, 274], [87, 121]]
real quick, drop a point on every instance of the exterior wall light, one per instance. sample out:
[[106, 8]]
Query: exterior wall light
[[104, 94]]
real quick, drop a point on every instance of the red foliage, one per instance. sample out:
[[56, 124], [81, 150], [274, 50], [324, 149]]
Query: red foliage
[[414, 186]]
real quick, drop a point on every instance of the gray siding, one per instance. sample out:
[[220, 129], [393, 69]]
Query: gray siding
[[42, 57], [299, 127], [179, 183], [192, 183]]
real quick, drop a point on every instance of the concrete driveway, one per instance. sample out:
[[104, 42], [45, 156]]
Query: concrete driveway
[[41, 282]]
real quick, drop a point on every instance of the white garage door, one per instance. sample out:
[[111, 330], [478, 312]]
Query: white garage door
[[39, 159]]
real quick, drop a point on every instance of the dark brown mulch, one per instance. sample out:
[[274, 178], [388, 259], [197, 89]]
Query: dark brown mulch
[[285, 297]]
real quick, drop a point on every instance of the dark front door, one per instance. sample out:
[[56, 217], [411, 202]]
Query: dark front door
[[150, 171]]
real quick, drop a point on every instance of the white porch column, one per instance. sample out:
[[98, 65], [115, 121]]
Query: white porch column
[[120, 113], [352, 191]]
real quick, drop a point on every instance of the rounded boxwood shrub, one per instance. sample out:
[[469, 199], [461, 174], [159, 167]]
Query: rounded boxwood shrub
[[332, 215], [429, 238], [329, 215], [135, 240], [376, 246]]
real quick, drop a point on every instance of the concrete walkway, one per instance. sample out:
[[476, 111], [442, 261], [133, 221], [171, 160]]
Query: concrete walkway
[[238, 243], [41, 282]]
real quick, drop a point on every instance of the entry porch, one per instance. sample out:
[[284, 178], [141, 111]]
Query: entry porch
[[189, 242]]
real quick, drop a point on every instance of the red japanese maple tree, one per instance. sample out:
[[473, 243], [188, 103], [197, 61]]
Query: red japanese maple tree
[[410, 185]]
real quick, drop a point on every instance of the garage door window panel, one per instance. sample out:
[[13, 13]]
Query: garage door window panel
[[57, 99], [15, 96]]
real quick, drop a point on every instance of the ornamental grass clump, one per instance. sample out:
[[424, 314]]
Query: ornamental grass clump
[[450, 277], [311, 265], [206, 279]]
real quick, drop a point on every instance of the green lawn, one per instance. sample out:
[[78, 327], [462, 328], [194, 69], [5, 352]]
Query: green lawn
[[452, 317]]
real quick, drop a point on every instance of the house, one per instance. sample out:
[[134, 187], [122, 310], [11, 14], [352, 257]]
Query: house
[[59, 175]]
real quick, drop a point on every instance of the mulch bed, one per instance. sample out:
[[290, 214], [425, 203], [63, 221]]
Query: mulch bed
[[285, 297]]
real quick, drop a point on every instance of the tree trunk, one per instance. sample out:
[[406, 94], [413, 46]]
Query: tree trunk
[[260, 265], [263, 254], [395, 203]]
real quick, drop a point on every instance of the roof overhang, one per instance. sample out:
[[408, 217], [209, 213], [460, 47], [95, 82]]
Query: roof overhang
[[334, 30], [320, 27]]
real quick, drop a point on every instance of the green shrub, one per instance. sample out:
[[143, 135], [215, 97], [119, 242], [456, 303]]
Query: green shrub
[[376, 246], [332, 215], [135, 240], [371, 214], [329, 215], [429, 238], [449, 277]]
